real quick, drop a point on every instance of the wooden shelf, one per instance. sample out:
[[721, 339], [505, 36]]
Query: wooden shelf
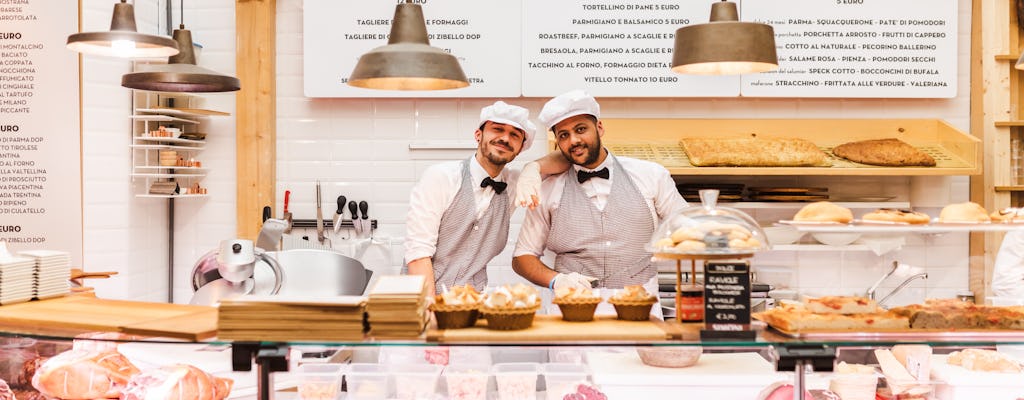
[[171, 196], [164, 147], [161, 118], [169, 140], [657, 140], [160, 176], [158, 167], [1012, 123], [182, 112], [1011, 188], [792, 205], [1007, 57]]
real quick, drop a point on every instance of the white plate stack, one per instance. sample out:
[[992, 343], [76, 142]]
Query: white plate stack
[[53, 270], [17, 277]]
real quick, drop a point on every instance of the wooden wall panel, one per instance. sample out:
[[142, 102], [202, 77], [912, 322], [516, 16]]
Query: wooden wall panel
[[256, 27]]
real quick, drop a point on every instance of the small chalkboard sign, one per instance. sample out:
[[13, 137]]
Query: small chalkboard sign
[[727, 300]]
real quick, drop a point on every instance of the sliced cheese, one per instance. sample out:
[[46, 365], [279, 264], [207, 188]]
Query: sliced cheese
[[899, 379], [916, 358]]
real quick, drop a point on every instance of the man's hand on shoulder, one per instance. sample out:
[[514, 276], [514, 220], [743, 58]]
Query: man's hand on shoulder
[[528, 186]]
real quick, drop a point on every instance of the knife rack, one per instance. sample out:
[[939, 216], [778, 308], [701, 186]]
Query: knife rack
[[311, 223]]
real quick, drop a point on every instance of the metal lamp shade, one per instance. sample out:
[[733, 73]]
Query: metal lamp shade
[[1020, 62], [180, 74], [408, 61], [123, 39], [724, 46]]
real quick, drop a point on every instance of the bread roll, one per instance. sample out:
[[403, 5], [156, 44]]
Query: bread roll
[[894, 215], [964, 212], [824, 211], [1010, 214]]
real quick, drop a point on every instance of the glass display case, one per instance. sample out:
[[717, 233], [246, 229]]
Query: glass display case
[[115, 364]]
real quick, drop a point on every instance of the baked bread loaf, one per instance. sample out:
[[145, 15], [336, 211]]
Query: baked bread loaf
[[753, 152], [885, 152], [964, 212], [894, 215], [1009, 214], [824, 211]]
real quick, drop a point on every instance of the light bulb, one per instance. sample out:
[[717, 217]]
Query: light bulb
[[123, 48]]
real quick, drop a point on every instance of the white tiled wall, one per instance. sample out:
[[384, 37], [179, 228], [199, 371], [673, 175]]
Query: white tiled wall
[[360, 148]]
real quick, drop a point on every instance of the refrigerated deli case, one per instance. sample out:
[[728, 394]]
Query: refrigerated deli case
[[498, 370]]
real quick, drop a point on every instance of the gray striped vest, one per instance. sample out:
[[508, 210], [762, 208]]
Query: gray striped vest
[[464, 244], [608, 244]]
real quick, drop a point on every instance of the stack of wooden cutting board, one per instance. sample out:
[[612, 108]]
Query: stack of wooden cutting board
[[397, 307], [291, 318]]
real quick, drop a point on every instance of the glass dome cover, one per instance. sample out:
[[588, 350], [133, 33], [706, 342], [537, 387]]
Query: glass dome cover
[[708, 230]]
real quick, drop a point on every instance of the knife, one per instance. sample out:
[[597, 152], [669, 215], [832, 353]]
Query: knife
[[287, 215], [319, 216], [364, 209], [352, 206], [340, 214]]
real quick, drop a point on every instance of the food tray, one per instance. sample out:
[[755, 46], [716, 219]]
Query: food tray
[[929, 335], [657, 140]]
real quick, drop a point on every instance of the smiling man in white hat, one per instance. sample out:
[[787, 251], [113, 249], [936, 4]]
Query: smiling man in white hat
[[598, 216], [459, 211]]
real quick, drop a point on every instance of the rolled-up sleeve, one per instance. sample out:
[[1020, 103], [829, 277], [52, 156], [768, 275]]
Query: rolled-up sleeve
[[429, 199]]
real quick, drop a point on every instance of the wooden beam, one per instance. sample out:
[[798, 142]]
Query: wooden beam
[[256, 116]]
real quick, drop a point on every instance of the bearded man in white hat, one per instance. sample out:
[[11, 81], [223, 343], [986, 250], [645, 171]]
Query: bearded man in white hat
[[598, 216], [459, 211]]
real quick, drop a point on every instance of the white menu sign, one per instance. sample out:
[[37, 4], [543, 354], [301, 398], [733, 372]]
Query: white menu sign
[[40, 151], [612, 48], [858, 48], [483, 35]]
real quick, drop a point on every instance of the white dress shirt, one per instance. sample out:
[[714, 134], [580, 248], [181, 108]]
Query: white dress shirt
[[1008, 271], [434, 193], [653, 180]]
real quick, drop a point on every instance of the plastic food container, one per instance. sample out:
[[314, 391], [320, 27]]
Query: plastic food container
[[467, 381], [367, 381], [516, 381], [320, 381], [708, 230], [415, 381], [562, 379]]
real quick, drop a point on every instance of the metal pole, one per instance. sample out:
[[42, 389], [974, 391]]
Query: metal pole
[[169, 8], [170, 250], [798, 380]]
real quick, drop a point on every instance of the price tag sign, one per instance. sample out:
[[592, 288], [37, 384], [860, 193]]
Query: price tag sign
[[726, 298]]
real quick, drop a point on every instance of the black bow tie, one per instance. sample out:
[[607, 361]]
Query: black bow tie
[[584, 176], [498, 186]]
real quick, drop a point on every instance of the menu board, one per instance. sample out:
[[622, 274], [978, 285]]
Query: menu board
[[612, 48], [483, 35], [40, 151], [727, 295], [858, 48]]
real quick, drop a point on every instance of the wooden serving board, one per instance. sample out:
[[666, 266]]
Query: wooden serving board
[[547, 328], [81, 314]]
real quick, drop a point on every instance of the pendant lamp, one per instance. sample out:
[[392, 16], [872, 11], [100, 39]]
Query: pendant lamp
[[1020, 62], [180, 74], [724, 46], [408, 61], [123, 39]]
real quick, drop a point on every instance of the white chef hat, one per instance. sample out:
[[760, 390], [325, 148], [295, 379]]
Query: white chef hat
[[504, 113], [569, 104]]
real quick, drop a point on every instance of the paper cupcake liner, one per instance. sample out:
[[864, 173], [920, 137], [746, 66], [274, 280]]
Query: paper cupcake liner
[[509, 319]]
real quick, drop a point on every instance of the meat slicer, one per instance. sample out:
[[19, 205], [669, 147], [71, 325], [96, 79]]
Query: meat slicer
[[234, 261]]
